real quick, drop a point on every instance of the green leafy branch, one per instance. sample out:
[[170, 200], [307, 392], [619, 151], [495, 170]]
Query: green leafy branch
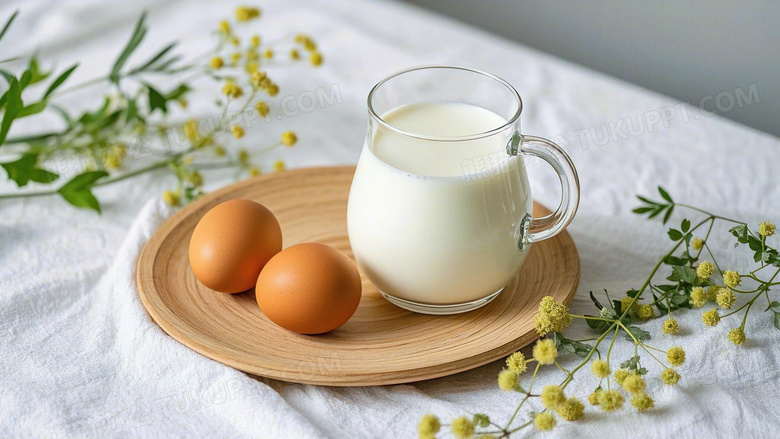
[[100, 136], [694, 278]]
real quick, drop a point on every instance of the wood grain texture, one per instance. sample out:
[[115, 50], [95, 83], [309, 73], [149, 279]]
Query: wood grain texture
[[381, 343]]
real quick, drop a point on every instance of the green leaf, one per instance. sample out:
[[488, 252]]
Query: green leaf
[[132, 111], [481, 420], [156, 100], [14, 105], [648, 201], [31, 109], [566, 346], [673, 260], [641, 210], [58, 82], [595, 301], [631, 363], [740, 232], [135, 40], [8, 24], [668, 213], [599, 325], [78, 191], [686, 225], [656, 212], [685, 273], [664, 194], [155, 58], [24, 81], [639, 333], [754, 243], [675, 235], [25, 169], [35, 70], [178, 92]]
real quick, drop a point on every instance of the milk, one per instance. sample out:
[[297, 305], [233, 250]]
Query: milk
[[437, 222]]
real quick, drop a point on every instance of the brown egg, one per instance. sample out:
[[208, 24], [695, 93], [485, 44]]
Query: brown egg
[[232, 243], [309, 288]]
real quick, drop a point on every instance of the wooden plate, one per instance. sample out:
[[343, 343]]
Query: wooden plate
[[381, 343]]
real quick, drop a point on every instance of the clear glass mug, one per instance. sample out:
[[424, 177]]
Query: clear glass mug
[[440, 218]]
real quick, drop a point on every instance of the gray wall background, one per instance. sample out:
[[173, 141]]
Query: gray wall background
[[688, 50]]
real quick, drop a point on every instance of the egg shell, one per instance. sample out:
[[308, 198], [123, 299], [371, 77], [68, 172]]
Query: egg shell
[[232, 243], [309, 288]]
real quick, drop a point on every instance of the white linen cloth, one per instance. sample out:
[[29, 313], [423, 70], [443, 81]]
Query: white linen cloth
[[79, 357]]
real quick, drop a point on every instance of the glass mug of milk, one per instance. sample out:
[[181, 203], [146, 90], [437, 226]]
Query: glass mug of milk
[[440, 207]]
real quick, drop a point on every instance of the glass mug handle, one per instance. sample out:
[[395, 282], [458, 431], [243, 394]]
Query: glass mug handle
[[539, 229]]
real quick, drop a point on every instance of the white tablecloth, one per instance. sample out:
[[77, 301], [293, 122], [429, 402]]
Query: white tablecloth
[[79, 357]]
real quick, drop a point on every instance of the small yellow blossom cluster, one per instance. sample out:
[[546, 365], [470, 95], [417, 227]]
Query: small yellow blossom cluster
[[246, 13], [552, 316], [731, 279], [171, 198], [517, 363], [553, 398], [260, 80], [462, 427], [428, 427], [600, 368], [633, 384], [626, 303], [621, 375], [315, 57], [766, 228], [609, 400], [571, 409], [232, 90], [544, 421], [711, 317], [508, 378], [737, 336], [636, 310], [712, 292], [552, 395], [675, 356], [698, 297], [216, 63], [262, 109], [725, 298], [697, 243], [705, 270], [195, 179], [671, 326], [113, 158], [670, 376], [289, 138], [645, 312], [642, 401], [545, 352]]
